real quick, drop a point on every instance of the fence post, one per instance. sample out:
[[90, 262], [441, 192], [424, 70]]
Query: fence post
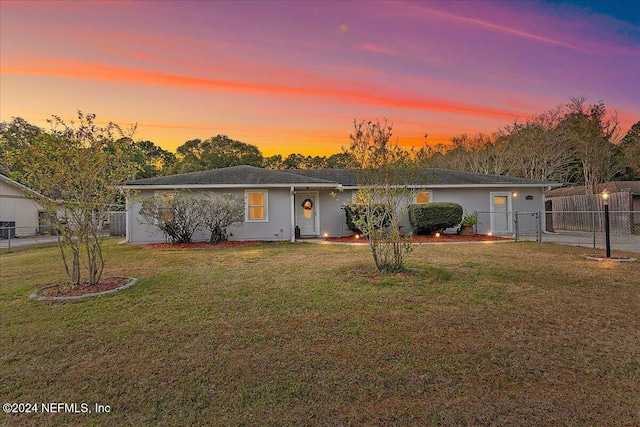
[[517, 226], [593, 227], [539, 221]]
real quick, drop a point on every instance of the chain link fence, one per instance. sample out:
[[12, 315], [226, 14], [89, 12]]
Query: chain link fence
[[12, 236], [577, 228]]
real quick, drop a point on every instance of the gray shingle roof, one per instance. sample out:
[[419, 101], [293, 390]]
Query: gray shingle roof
[[252, 176], [453, 177], [239, 175], [432, 176]]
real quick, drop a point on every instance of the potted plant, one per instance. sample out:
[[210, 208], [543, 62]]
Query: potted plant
[[467, 223]]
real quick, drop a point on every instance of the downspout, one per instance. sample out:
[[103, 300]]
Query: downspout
[[127, 219], [293, 213]]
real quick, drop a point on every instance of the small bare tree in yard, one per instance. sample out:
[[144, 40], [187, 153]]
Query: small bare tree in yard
[[225, 210], [179, 215], [385, 174], [77, 169]]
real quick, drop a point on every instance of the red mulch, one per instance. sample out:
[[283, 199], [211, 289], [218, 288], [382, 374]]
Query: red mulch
[[65, 290], [199, 245], [444, 238]]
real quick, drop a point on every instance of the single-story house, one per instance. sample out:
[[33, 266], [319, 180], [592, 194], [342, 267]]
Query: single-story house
[[312, 201], [19, 212]]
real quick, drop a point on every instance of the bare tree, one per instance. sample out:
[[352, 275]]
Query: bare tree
[[178, 215], [539, 148], [592, 133], [224, 211], [385, 172]]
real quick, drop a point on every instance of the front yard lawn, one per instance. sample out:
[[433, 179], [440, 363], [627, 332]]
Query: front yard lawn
[[302, 334]]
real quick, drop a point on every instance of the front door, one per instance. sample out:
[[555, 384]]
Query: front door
[[500, 216], [307, 213]]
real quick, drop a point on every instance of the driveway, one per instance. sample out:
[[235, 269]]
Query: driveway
[[619, 242], [17, 242]]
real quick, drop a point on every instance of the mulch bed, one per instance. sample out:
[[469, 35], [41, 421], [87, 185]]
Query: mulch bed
[[444, 238], [597, 257], [65, 290], [199, 245]]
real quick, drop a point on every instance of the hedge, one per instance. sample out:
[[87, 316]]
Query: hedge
[[429, 217]]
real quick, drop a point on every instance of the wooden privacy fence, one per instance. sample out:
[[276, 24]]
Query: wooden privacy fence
[[586, 213], [117, 223]]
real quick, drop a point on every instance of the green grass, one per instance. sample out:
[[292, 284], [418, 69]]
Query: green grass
[[302, 334]]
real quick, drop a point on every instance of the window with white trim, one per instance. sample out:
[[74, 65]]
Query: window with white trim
[[256, 209]]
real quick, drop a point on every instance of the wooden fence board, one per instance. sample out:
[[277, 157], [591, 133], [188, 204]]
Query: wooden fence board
[[586, 213]]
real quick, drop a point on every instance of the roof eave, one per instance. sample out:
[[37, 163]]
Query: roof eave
[[519, 185], [221, 186]]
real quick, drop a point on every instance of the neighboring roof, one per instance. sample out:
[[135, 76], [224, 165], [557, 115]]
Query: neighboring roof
[[611, 187], [18, 185], [237, 176]]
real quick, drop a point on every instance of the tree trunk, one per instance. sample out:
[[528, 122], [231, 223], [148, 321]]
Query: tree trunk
[[75, 269]]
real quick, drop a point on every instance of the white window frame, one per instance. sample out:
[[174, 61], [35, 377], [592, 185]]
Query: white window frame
[[266, 205]]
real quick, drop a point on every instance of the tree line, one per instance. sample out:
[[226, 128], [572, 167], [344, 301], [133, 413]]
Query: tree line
[[575, 143]]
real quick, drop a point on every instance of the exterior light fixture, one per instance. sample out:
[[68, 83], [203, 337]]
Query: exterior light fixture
[[326, 235], [489, 234], [437, 234], [357, 236]]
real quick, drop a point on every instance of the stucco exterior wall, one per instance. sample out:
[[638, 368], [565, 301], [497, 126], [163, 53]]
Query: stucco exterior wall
[[277, 226], [479, 200], [16, 206], [331, 216]]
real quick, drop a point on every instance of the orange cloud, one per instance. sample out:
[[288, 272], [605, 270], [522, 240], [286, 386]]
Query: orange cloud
[[128, 75]]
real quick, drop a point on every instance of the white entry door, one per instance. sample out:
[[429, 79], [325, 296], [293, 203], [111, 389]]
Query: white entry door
[[501, 213], [307, 216]]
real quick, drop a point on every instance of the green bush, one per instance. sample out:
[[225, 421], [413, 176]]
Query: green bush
[[355, 213], [430, 217]]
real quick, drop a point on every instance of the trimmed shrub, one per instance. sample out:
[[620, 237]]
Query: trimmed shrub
[[355, 212], [430, 217]]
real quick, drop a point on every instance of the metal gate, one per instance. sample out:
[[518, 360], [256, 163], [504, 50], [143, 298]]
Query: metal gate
[[528, 224]]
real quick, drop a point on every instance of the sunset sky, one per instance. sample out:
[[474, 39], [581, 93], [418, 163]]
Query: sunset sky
[[292, 76]]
